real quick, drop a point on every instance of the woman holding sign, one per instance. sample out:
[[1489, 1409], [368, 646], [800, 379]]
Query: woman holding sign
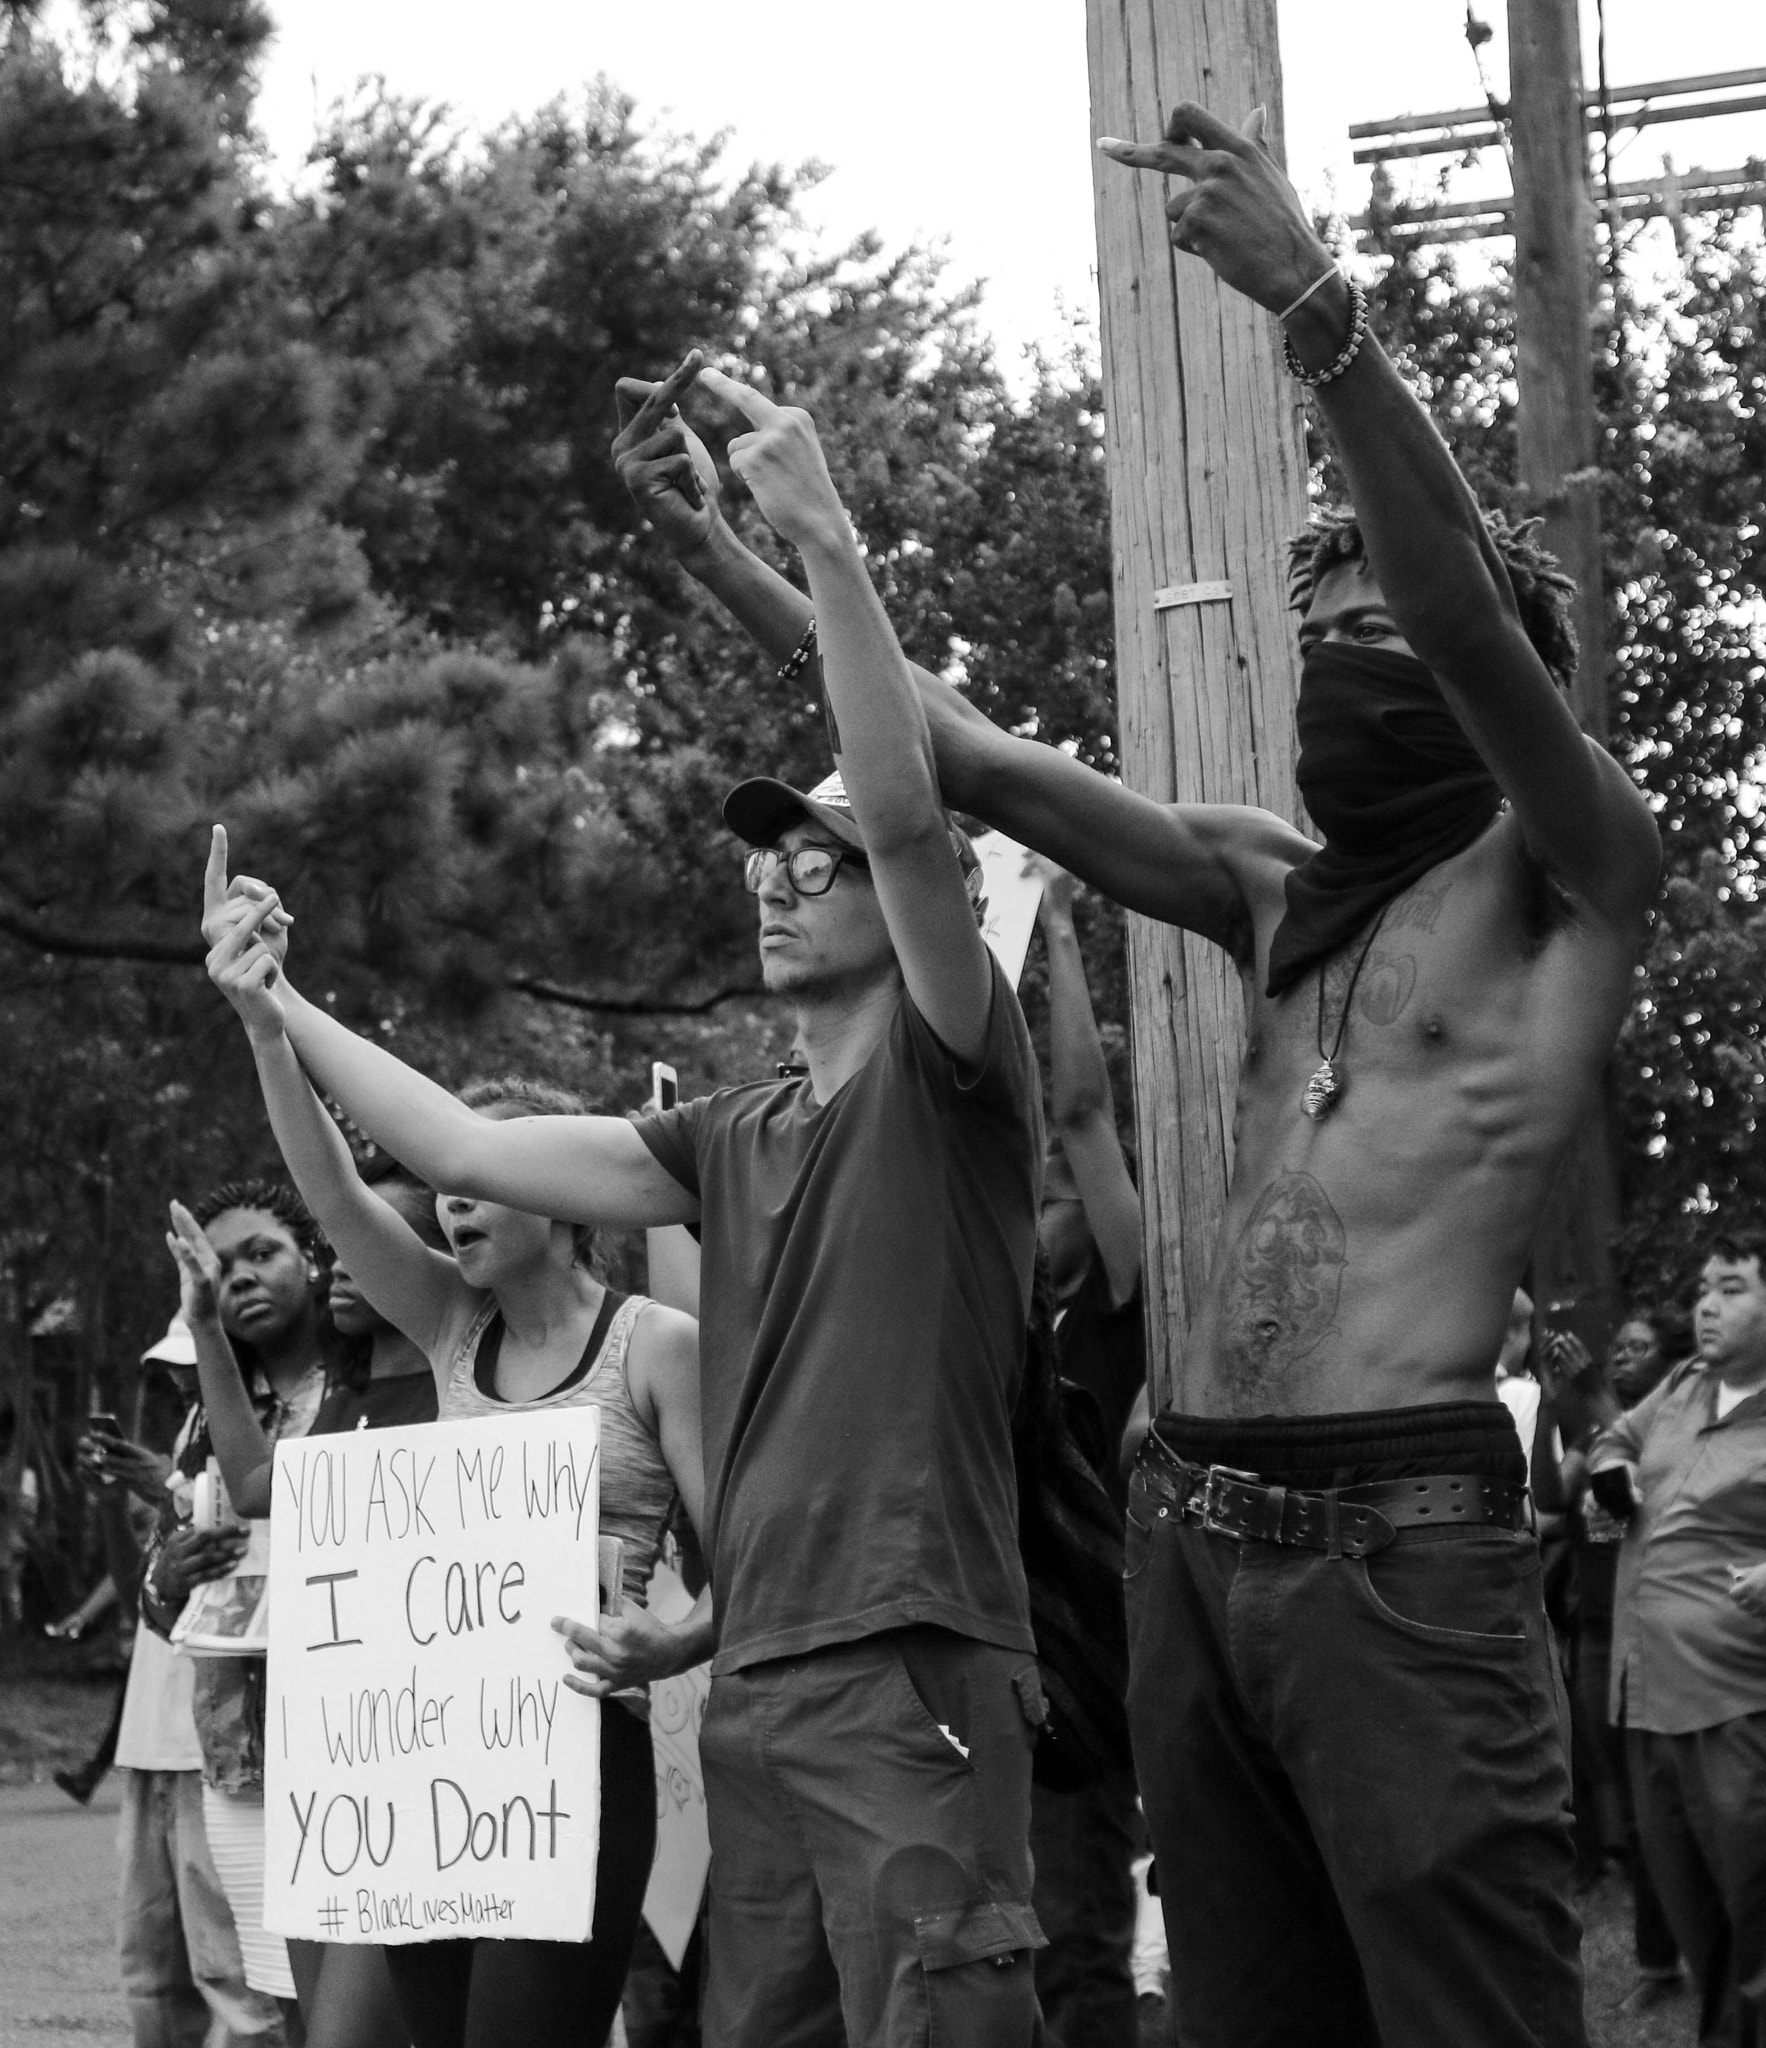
[[514, 1322]]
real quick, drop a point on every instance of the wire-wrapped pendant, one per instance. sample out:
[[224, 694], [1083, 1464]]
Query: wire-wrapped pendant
[[1321, 1093]]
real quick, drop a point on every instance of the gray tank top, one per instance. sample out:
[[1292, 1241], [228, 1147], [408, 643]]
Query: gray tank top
[[637, 1488]]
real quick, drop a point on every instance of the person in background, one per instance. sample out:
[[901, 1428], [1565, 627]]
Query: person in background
[[1606, 1816], [1685, 1470], [383, 1380], [377, 1379], [1090, 1226], [182, 1971], [255, 1313], [1084, 1841]]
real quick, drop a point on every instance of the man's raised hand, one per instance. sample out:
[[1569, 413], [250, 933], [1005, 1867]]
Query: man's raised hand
[[663, 463], [247, 933], [781, 462], [1239, 213]]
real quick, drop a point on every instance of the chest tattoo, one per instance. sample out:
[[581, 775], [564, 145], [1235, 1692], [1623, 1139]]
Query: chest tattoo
[[1387, 986], [1283, 1277], [1419, 908]]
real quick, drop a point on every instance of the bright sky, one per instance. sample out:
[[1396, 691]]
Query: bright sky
[[963, 119]]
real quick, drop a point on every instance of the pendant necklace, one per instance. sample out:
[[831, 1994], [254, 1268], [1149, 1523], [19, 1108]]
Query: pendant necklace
[[1325, 1089]]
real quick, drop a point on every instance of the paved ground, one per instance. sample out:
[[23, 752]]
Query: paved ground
[[58, 1935], [58, 1919]]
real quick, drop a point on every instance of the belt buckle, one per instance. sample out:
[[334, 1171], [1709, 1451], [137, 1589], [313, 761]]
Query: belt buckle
[[1217, 1476]]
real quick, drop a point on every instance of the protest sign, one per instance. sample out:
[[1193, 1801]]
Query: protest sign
[[683, 1843], [427, 1772], [1012, 898]]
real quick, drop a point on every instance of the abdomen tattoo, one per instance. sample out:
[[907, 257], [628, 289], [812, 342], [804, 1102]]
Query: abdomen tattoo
[[1278, 1298]]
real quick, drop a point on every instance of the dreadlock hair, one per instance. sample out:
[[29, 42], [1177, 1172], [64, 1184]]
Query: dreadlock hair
[[513, 1095], [275, 1198], [1543, 593]]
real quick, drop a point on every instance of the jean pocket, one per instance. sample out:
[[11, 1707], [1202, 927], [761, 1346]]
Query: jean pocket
[[979, 1979], [1146, 1511], [1473, 1591], [940, 1741]]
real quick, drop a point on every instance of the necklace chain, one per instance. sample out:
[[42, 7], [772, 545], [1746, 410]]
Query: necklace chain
[[1326, 1085]]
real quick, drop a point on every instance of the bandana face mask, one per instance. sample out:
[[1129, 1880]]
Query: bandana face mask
[[1391, 781], [1380, 752]]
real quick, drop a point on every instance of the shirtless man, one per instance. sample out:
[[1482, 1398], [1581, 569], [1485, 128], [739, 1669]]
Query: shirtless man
[[1346, 1714]]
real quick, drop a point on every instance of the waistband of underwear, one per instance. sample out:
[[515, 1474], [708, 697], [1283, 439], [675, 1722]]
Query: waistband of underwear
[[1354, 1449]]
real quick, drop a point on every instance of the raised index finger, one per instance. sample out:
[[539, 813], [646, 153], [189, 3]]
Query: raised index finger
[[754, 406], [214, 876]]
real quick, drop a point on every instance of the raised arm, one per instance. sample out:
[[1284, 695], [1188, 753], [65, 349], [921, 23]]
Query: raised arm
[[578, 1169], [1082, 1104], [242, 1449], [1186, 864], [882, 746], [415, 1288], [1431, 554]]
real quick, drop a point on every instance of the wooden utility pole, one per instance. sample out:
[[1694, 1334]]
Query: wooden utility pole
[[1207, 482], [1573, 1278], [1554, 306]]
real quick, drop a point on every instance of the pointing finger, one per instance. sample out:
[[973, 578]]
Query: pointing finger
[[214, 876], [1168, 157], [754, 406]]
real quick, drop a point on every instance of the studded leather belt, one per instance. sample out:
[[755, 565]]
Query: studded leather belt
[[1343, 1521]]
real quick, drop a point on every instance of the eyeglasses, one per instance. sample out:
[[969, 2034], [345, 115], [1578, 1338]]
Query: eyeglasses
[[811, 868]]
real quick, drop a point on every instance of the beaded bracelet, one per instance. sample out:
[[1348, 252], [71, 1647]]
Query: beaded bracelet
[[1345, 356], [799, 656]]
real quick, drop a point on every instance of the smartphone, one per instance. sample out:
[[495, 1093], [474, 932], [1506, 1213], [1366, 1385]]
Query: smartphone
[[101, 1423], [665, 1087]]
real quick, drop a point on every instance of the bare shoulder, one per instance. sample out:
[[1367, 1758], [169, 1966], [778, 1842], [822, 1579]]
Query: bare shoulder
[[1260, 848], [664, 1343]]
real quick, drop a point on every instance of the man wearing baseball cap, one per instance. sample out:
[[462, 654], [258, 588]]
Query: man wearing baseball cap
[[868, 1234]]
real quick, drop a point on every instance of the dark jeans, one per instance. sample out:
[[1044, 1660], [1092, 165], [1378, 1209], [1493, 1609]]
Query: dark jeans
[[1084, 1844], [504, 1994], [1701, 1809], [870, 1881], [1355, 1781]]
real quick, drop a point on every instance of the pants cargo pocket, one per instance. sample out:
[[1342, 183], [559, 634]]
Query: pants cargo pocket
[[980, 1985]]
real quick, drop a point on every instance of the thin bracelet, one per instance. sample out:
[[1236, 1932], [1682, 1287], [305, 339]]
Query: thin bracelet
[[1334, 271], [1345, 356], [799, 655]]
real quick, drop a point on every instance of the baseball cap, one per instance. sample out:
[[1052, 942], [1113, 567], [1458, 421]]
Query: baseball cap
[[176, 1347], [763, 809]]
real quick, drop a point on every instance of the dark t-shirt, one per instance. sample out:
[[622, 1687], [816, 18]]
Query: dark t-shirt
[[1103, 1351], [863, 1296], [381, 1404]]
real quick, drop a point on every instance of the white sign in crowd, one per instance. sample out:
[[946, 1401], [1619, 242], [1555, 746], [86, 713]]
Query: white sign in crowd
[[428, 1772]]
